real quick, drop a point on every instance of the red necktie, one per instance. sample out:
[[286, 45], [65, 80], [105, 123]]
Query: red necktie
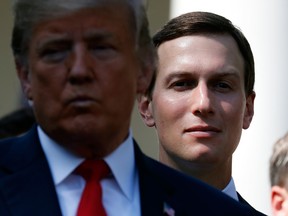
[[91, 201]]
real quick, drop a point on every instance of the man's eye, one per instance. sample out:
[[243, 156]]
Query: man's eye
[[222, 86], [102, 50], [183, 85], [54, 55], [99, 49]]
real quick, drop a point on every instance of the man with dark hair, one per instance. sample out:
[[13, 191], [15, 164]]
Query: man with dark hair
[[201, 96]]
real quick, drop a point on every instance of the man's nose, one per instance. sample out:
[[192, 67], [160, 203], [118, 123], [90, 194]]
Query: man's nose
[[81, 69], [202, 100]]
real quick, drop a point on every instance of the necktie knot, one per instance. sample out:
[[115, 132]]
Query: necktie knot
[[93, 169]]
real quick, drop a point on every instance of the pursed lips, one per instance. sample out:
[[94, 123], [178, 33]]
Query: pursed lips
[[81, 100]]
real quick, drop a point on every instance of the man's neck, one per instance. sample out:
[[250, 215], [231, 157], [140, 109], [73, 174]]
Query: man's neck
[[216, 178], [215, 175]]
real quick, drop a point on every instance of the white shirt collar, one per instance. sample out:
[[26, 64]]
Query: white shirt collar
[[123, 166], [62, 162], [230, 190]]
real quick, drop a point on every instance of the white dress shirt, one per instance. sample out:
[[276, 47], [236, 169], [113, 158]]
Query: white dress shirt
[[121, 196], [230, 190]]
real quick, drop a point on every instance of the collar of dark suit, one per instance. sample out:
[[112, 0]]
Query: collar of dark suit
[[26, 184]]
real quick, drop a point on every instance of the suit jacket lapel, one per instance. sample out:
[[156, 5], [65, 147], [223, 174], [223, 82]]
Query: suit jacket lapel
[[150, 194], [243, 201], [29, 188], [155, 194]]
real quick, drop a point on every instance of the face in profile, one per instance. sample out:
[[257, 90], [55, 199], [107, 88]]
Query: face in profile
[[82, 75], [198, 104]]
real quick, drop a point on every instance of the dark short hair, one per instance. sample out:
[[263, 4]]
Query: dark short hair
[[195, 23]]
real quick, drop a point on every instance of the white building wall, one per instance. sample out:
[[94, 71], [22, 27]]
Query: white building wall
[[264, 23]]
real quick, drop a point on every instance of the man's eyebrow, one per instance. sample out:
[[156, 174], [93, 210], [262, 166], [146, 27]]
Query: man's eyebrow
[[186, 74], [96, 34], [53, 39], [178, 74], [65, 39], [227, 73]]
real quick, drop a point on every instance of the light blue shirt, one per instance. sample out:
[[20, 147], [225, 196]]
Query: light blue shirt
[[121, 196], [230, 190]]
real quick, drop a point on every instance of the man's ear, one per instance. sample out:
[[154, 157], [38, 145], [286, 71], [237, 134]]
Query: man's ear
[[145, 109], [24, 77], [279, 200], [249, 110]]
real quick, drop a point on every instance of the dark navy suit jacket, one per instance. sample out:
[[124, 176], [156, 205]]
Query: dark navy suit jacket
[[27, 188], [243, 201]]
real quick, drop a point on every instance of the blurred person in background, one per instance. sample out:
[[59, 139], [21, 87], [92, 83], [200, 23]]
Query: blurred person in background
[[279, 177], [17, 122]]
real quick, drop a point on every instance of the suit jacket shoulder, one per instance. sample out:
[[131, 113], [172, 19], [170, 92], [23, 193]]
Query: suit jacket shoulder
[[26, 185], [243, 201], [164, 189]]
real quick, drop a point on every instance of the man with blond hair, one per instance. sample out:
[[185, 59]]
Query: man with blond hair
[[279, 177]]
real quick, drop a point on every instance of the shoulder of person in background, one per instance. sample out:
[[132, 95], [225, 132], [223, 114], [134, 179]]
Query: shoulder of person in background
[[16, 122]]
